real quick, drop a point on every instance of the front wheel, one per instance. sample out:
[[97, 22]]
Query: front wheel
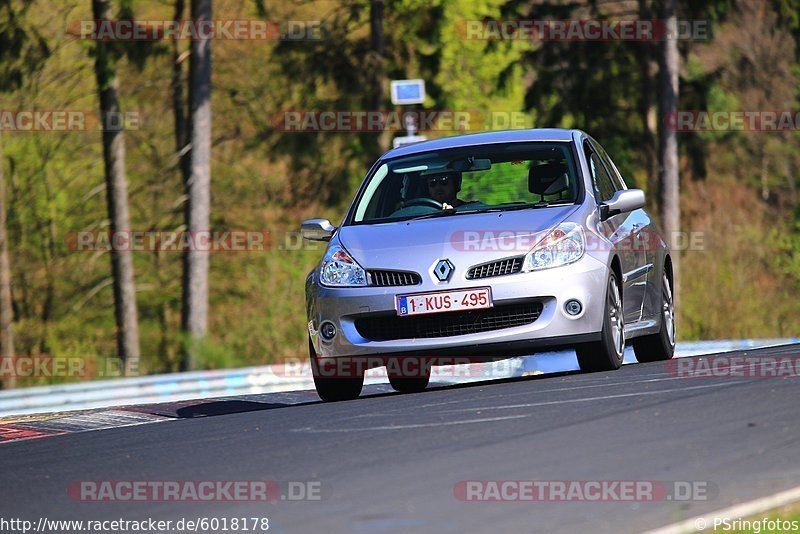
[[606, 354], [413, 380], [661, 346], [330, 387]]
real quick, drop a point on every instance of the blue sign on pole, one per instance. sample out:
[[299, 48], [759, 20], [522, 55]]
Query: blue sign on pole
[[406, 92]]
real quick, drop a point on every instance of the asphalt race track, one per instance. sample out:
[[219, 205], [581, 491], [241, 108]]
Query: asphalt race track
[[391, 463]]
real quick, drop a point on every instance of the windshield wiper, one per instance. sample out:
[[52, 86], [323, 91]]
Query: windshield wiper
[[528, 206], [440, 213]]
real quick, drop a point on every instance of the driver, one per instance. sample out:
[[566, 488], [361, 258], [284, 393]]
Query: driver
[[443, 188]]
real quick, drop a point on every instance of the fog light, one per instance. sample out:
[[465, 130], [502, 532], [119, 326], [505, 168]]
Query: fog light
[[573, 307], [328, 330]]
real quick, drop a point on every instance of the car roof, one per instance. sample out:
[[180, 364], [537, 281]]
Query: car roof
[[504, 136]]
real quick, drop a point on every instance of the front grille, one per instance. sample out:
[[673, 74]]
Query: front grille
[[381, 278], [496, 268], [389, 327]]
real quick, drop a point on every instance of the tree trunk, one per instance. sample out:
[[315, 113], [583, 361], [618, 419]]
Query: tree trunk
[[179, 111], [645, 52], [6, 309], [49, 257], [377, 50], [117, 197], [377, 73], [198, 191], [668, 146]]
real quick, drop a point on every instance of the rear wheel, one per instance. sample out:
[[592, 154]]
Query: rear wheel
[[415, 380], [331, 387], [660, 346], [606, 354]]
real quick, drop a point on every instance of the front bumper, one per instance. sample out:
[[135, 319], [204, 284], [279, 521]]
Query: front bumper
[[584, 280]]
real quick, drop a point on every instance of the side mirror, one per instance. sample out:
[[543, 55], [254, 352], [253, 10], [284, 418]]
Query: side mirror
[[317, 230], [622, 202]]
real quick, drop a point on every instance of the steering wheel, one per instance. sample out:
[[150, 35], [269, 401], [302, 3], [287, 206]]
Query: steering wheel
[[424, 201]]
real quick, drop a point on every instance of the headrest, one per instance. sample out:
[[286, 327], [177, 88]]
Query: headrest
[[548, 178]]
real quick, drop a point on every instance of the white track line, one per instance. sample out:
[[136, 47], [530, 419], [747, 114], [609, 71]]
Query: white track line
[[584, 399], [405, 427], [746, 509]]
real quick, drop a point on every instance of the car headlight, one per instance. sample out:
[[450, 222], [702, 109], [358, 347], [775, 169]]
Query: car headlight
[[563, 245], [338, 269]]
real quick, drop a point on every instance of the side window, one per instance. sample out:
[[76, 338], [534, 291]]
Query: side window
[[603, 184], [612, 169]]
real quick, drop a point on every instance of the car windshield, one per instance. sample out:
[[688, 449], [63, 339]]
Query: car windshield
[[468, 180]]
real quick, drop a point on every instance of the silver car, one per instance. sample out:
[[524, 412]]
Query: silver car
[[482, 247]]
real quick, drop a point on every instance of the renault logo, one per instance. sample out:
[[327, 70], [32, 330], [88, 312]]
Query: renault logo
[[443, 270]]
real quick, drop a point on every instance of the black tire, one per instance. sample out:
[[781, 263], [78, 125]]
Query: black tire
[[409, 384], [334, 388], [606, 354], [661, 346]]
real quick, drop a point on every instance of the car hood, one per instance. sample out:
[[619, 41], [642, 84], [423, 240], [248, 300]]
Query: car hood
[[473, 238]]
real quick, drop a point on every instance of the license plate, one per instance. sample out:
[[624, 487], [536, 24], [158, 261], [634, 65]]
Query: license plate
[[444, 301]]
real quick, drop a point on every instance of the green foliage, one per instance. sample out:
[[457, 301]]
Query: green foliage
[[597, 87], [23, 49], [481, 76], [270, 180], [789, 243]]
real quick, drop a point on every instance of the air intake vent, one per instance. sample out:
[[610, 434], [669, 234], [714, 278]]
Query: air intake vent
[[496, 268], [381, 278], [390, 327]]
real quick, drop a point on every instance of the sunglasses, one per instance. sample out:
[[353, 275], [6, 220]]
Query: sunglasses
[[444, 180]]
